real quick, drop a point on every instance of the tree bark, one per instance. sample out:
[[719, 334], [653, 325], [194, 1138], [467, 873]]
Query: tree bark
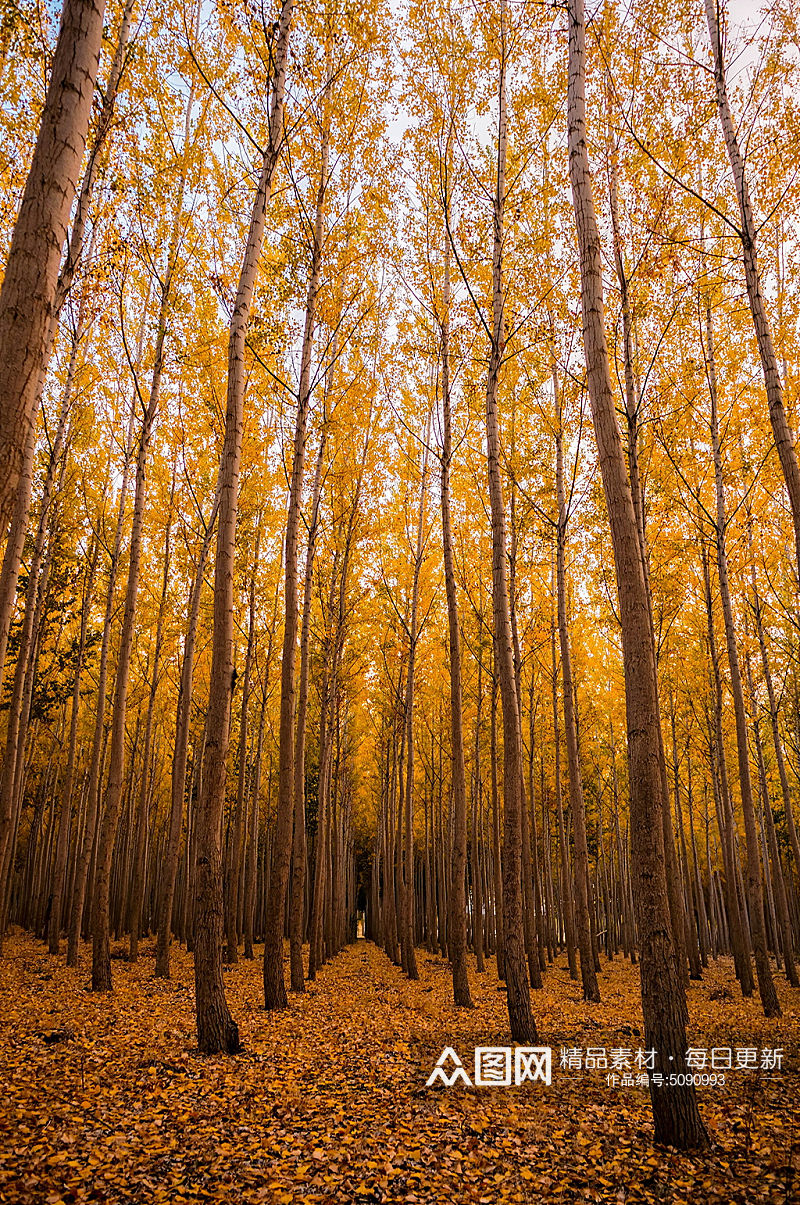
[[458, 904], [31, 275], [677, 911], [523, 1028], [299, 852], [567, 900], [753, 881], [274, 981], [216, 1030], [101, 956], [591, 990], [67, 791], [739, 936], [139, 862], [675, 1112], [179, 759], [236, 843], [784, 440], [776, 735], [407, 788], [95, 765]]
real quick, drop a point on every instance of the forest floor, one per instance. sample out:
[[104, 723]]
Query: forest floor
[[328, 1102]]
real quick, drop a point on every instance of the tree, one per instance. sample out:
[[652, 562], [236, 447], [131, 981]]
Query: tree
[[784, 441], [523, 1028], [216, 1029], [31, 273], [458, 925], [677, 1119], [274, 983]]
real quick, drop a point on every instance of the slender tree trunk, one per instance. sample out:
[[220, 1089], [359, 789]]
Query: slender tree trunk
[[568, 905], [528, 905], [632, 403], [179, 759], [274, 982], [95, 767], [694, 937], [753, 881], [534, 839], [216, 1030], [705, 929], [591, 990], [101, 958], [407, 789], [101, 961], [315, 938], [523, 1028], [298, 883], [236, 844], [31, 272], [62, 844], [675, 1113], [458, 904], [737, 922], [776, 735], [38, 570], [139, 867], [780, 900], [251, 854], [784, 441]]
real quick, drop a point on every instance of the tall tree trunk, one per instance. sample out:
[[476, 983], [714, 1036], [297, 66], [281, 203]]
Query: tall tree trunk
[[705, 928], [528, 906], [298, 883], [567, 901], [694, 932], [62, 844], [179, 759], [9, 575], [784, 441], [251, 853], [591, 990], [678, 917], [139, 866], [534, 839], [31, 273], [407, 789], [236, 843], [523, 1028], [753, 881], [216, 1030], [101, 961], [458, 904], [101, 957], [739, 935], [318, 897], [780, 903], [95, 765], [675, 1112], [776, 735], [274, 981]]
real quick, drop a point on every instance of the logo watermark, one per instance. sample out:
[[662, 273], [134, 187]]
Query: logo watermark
[[495, 1067], [504, 1066]]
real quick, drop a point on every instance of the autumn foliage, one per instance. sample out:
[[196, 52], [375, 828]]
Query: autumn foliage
[[400, 531]]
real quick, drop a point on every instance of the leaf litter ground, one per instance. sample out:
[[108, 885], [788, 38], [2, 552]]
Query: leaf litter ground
[[106, 1099]]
